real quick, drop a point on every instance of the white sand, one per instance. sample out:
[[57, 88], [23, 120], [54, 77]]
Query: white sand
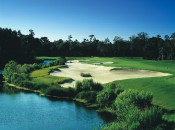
[[101, 74]]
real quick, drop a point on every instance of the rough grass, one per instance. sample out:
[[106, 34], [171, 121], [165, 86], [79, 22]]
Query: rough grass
[[42, 77]]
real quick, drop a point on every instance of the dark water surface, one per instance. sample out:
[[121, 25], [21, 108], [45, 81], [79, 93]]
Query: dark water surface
[[24, 111]]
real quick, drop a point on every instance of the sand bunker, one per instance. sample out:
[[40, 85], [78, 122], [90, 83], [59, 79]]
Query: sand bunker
[[101, 74]]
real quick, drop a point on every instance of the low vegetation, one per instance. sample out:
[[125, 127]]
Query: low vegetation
[[107, 96], [88, 96], [135, 111], [85, 74], [60, 91], [34, 76], [87, 85]]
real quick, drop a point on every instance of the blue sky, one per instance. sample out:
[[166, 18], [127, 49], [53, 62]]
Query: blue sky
[[104, 18]]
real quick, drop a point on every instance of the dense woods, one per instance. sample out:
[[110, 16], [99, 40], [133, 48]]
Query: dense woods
[[23, 48]]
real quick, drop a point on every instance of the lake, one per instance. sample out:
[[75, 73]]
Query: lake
[[27, 111]]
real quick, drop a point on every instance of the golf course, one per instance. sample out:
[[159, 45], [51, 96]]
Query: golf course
[[153, 76]]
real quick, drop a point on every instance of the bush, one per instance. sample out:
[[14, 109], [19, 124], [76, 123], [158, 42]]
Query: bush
[[89, 96], [15, 73], [85, 75], [108, 95], [140, 99], [87, 85], [60, 61], [60, 92], [36, 66], [135, 111]]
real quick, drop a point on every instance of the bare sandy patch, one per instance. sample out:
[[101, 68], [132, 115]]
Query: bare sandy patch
[[101, 74]]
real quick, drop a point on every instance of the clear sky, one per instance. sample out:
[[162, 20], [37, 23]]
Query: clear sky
[[104, 18]]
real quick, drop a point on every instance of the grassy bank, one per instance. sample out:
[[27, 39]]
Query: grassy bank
[[41, 93], [42, 76]]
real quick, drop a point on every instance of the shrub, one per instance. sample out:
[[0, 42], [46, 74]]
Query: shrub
[[108, 95], [60, 61], [36, 66], [15, 73], [85, 75], [135, 111], [140, 99], [87, 85], [89, 96], [60, 92]]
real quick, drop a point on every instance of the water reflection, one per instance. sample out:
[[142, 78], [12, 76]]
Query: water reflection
[[9, 89]]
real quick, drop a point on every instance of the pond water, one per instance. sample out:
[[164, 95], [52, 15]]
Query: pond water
[[45, 62], [31, 112]]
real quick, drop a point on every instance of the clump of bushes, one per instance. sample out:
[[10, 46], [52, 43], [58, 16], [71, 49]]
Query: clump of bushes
[[107, 96], [85, 74], [16, 73], [60, 91], [60, 61], [87, 90], [134, 111], [89, 96], [87, 85]]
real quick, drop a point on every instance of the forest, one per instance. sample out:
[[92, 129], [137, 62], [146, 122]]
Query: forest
[[23, 48]]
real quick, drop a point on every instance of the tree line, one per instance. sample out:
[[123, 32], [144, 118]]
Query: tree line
[[23, 48]]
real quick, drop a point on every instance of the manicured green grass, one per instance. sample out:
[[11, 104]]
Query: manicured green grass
[[162, 66], [42, 76]]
